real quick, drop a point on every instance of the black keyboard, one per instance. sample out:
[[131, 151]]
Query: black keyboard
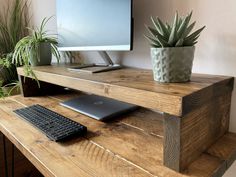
[[54, 125]]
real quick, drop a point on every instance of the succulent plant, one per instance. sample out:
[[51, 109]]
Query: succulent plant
[[176, 35]]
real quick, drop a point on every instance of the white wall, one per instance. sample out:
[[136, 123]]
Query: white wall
[[216, 50]]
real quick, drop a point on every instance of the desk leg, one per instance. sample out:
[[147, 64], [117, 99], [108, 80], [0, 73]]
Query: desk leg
[[187, 137], [12, 160], [5, 156]]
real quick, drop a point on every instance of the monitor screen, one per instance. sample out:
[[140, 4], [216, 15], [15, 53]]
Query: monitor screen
[[94, 25]]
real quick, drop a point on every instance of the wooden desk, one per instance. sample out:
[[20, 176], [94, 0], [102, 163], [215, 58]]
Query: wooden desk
[[195, 116], [129, 146]]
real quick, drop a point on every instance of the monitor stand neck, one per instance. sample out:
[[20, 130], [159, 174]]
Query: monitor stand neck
[[106, 58], [98, 68]]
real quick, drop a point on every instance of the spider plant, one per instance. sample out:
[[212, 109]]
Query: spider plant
[[28, 51]]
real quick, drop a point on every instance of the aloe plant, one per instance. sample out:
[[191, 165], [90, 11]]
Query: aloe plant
[[177, 34]]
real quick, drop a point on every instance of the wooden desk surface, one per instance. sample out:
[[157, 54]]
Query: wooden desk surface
[[129, 146], [137, 85]]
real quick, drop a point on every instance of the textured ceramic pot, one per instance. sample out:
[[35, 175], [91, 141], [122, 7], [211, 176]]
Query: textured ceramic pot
[[45, 55], [172, 64]]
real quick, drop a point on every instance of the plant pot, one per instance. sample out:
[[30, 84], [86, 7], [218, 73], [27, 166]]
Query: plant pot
[[44, 53], [172, 64], [7, 75], [11, 90]]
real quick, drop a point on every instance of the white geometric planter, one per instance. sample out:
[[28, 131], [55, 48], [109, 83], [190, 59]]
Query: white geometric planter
[[172, 64]]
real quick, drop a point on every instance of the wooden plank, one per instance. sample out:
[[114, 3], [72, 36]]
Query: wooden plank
[[225, 149], [123, 140], [79, 157], [22, 167], [197, 130], [172, 142], [206, 165], [146, 120], [210, 121], [86, 157], [101, 134], [136, 85], [199, 98]]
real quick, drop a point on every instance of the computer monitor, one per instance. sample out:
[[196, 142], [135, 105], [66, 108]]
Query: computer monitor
[[95, 25]]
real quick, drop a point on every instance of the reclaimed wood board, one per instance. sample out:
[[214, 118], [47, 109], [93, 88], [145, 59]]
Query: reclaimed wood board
[[115, 148], [22, 167], [137, 86], [188, 137]]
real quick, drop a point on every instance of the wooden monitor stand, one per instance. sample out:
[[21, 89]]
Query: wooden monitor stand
[[190, 136]]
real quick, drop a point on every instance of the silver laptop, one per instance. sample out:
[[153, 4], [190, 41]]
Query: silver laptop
[[97, 107]]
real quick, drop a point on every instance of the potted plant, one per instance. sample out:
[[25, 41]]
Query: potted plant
[[13, 22], [35, 49], [173, 48], [8, 77]]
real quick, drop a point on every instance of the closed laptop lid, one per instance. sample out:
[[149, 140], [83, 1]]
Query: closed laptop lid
[[98, 107]]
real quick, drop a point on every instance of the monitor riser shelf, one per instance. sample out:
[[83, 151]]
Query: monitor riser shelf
[[188, 133]]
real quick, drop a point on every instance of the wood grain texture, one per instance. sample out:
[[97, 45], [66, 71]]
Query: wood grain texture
[[206, 165], [100, 152], [202, 127], [22, 167], [225, 149], [172, 142], [199, 98], [143, 119], [136, 85], [121, 139], [197, 130], [79, 157]]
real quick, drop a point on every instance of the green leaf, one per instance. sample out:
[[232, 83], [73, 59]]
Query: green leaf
[[163, 28], [179, 43], [156, 34], [168, 27], [156, 25], [152, 31], [188, 30], [193, 36], [179, 22], [173, 35], [183, 27], [153, 41], [190, 41]]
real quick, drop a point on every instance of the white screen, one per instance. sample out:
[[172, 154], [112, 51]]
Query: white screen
[[99, 25]]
